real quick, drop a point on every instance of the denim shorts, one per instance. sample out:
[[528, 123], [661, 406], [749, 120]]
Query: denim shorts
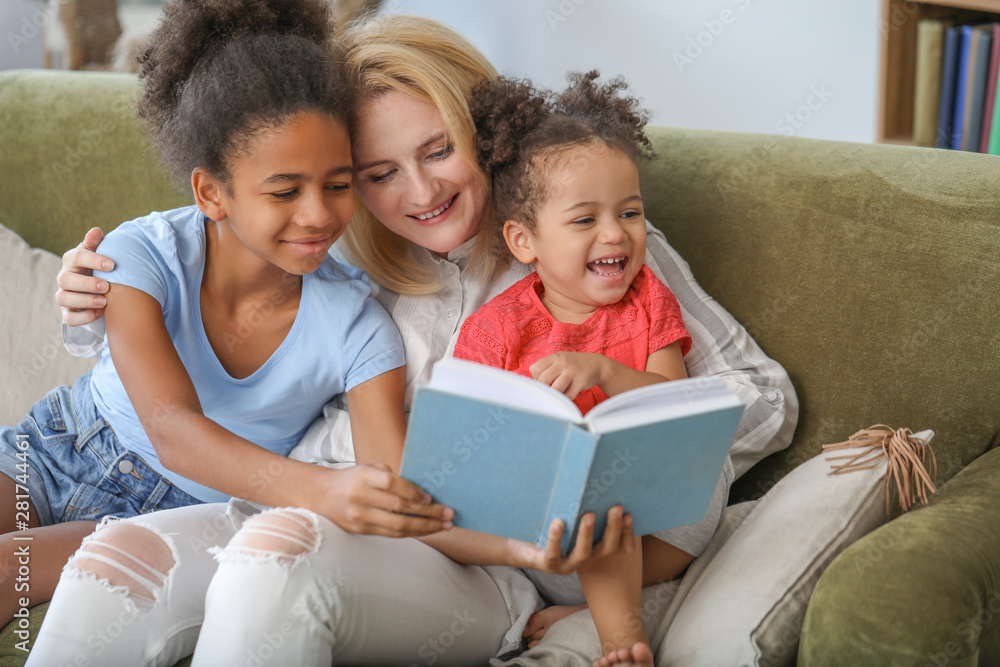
[[73, 465]]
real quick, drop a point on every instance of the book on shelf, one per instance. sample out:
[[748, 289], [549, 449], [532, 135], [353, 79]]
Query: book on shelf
[[927, 92], [979, 65], [949, 76], [961, 87], [510, 454], [991, 88], [993, 148]]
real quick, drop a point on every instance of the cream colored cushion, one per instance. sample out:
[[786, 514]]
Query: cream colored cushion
[[34, 360], [748, 604]]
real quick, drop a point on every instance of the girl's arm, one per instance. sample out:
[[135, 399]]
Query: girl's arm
[[573, 372], [378, 420], [473, 548], [362, 499]]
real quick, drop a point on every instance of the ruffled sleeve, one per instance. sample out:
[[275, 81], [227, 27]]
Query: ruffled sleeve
[[666, 325]]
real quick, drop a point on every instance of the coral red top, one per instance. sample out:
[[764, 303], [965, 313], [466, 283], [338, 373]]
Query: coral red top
[[514, 330]]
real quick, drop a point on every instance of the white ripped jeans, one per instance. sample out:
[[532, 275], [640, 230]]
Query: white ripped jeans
[[285, 587]]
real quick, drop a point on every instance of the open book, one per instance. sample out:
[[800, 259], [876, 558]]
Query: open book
[[510, 454]]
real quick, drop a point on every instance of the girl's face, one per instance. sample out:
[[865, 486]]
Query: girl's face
[[589, 240], [290, 197], [410, 175]]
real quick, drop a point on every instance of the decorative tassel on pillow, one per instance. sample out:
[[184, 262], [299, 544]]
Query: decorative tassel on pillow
[[908, 459]]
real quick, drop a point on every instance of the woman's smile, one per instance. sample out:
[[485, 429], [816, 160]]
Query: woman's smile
[[436, 215]]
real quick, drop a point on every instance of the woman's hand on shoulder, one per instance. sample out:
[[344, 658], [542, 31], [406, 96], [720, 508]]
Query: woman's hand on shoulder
[[372, 500], [617, 537], [80, 295]]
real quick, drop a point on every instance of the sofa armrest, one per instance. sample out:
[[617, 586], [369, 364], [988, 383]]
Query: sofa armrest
[[922, 590]]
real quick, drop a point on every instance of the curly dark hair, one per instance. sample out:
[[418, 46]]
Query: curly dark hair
[[217, 72], [518, 127]]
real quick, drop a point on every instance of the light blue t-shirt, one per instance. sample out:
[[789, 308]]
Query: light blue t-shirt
[[341, 337]]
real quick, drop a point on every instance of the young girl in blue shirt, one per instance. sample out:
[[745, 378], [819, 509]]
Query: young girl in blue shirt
[[228, 324]]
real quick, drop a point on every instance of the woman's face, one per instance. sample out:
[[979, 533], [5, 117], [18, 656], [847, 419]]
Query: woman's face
[[410, 175]]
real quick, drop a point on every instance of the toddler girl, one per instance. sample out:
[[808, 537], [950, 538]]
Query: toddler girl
[[593, 320]]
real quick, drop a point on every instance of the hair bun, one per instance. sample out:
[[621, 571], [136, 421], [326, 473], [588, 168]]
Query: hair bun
[[191, 31], [607, 107], [504, 111]]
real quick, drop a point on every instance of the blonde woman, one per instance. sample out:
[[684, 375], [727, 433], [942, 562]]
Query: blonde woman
[[292, 585]]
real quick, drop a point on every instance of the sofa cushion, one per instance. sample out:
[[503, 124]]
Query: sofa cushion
[[747, 606], [34, 360], [922, 590], [70, 166], [864, 270]]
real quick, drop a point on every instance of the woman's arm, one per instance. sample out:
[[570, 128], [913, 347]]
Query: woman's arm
[[363, 499], [378, 422]]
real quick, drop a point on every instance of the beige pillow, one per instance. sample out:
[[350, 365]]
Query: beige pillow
[[34, 360], [748, 604]]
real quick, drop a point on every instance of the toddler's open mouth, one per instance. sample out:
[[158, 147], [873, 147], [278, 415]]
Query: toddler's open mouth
[[608, 266]]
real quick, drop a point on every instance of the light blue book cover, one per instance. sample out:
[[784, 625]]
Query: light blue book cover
[[510, 454]]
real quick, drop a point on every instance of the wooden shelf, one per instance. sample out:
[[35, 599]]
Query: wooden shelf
[[899, 56]]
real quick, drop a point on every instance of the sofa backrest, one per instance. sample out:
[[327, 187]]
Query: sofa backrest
[[72, 156], [871, 272]]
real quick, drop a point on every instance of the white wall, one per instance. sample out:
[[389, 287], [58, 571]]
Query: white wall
[[799, 67], [743, 65], [22, 24]]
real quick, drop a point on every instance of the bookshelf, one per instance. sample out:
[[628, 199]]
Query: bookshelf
[[899, 55]]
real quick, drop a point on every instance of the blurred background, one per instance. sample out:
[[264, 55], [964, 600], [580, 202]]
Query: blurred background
[[780, 67]]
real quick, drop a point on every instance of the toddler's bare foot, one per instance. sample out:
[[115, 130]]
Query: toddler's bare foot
[[541, 621], [637, 655]]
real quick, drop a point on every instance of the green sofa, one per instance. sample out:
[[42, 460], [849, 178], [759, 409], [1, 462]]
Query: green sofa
[[870, 272]]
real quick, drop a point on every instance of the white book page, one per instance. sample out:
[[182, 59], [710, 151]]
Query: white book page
[[472, 380], [659, 402], [648, 414]]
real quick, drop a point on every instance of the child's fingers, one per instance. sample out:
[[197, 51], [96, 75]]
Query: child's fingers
[[611, 539], [628, 536], [375, 521], [561, 383], [392, 493], [540, 366], [380, 476], [584, 541], [535, 623], [553, 550]]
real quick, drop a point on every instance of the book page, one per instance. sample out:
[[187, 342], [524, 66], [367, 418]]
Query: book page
[[660, 402], [473, 380]]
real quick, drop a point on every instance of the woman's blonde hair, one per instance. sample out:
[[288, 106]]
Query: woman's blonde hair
[[433, 63]]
